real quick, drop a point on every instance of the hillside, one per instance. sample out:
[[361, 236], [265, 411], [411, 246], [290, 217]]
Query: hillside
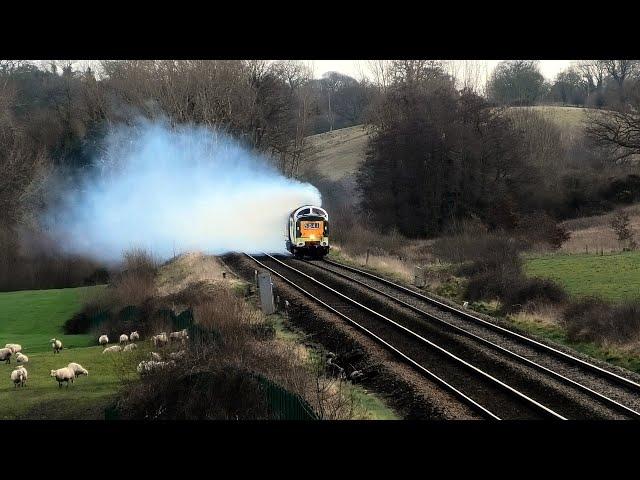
[[339, 153]]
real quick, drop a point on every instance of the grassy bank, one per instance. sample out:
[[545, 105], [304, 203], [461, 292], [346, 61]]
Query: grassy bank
[[32, 317], [612, 276]]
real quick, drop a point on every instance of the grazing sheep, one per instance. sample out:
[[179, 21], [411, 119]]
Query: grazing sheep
[[19, 377], [65, 374], [155, 356], [26, 375], [160, 339], [129, 347], [182, 334], [465, 305], [103, 340], [124, 338], [111, 349], [78, 369], [56, 345], [15, 348], [177, 355], [5, 354], [356, 375], [134, 336], [148, 366], [22, 358]]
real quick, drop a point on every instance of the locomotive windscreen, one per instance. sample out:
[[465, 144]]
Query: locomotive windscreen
[[311, 228]]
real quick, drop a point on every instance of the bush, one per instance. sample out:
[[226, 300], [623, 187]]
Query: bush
[[595, 320], [541, 228], [224, 393], [532, 290]]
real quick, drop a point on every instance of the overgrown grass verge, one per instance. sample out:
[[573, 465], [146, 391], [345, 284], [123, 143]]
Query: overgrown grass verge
[[615, 355], [367, 405]]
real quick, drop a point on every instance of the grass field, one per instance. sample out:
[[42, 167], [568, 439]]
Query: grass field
[[612, 276], [339, 153], [86, 398], [32, 317]]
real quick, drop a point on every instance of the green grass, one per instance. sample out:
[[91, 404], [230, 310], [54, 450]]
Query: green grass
[[86, 398], [555, 333], [612, 276], [32, 317]]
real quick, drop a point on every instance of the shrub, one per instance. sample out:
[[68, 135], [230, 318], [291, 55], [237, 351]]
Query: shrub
[[532, 290], [595, 320], [541, 228], [223, 393]]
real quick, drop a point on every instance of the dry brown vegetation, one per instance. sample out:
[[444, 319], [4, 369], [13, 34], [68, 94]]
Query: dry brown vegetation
[[594, 234], [235, 341]]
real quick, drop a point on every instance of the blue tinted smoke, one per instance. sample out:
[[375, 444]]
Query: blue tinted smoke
[[177, 189]]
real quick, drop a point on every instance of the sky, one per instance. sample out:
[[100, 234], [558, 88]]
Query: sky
[[355, 68]]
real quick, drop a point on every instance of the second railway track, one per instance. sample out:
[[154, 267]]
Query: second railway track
[[493, 378]]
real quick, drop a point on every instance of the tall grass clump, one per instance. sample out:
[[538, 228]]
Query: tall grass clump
[[595, 320]]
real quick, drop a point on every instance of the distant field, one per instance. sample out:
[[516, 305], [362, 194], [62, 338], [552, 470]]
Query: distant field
[[32, 317], [338, 154], [564, 117], [613, 276]]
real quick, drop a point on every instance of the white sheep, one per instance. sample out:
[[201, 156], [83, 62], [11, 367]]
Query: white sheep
[[177, 355], [56, 345], [134, 336], [78, 369], [129, 347], [65, 374], [19, 377], [160, 339], [103, 340], [22, 358], [26, 375], [155, 356], [15, 348], [182, 334], [148, 366], [111, 349], [124, 338], [5, 354]]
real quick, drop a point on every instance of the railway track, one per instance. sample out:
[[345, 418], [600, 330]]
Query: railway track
[[477, 363]]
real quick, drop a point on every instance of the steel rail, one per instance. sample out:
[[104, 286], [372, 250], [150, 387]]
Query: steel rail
[[609, 401], [475, 405], [532, 402], [611, 375]]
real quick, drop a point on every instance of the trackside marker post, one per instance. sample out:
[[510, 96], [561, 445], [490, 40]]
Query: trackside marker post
[[265, 285]]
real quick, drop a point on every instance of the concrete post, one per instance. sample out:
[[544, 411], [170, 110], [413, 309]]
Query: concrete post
[[418, 276], [266, 293]]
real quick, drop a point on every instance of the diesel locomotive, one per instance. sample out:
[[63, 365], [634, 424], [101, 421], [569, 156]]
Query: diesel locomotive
[[308, 232]]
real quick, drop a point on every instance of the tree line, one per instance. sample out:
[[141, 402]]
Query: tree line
[[439, 154]]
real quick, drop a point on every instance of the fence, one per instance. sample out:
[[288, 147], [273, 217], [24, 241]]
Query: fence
[[284, 405]]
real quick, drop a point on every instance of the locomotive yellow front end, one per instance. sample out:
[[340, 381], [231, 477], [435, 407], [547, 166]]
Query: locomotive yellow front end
[[308, 232]]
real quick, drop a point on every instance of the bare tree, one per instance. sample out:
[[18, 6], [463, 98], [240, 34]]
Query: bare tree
[[621, 225], [620, 70], [616, 130]]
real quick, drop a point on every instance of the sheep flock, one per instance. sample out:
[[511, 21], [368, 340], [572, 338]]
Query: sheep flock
[[126, 343]]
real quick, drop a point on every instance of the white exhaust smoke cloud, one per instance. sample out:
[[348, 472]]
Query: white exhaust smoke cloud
[[176, 190]]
